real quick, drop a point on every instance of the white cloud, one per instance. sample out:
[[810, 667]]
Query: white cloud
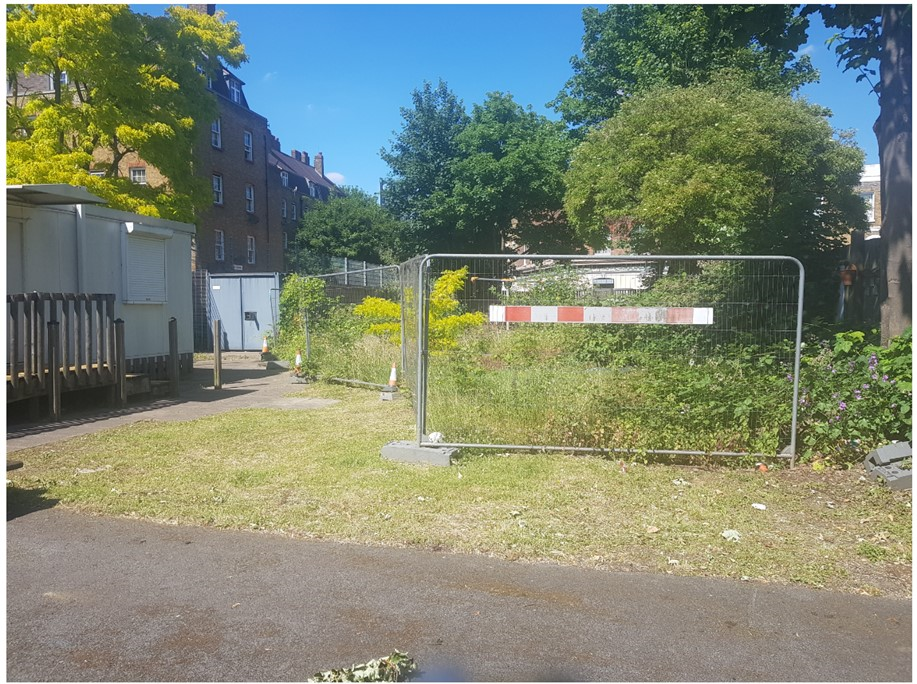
[[806, 50], [335, 177], [270, 76]]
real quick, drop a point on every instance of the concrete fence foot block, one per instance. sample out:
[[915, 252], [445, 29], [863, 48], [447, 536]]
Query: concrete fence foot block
[[408, 452]]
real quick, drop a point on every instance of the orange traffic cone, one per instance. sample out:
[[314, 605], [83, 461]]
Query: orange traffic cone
[[393, 377], [264, 345]]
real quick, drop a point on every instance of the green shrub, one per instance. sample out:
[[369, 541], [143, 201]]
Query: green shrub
[[854, 396]]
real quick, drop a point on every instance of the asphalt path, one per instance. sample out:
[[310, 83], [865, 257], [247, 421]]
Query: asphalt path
[[108, 599]]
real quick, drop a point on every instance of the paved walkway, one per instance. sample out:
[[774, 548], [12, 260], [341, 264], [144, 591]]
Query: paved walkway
[[247, 383], [108, 599]]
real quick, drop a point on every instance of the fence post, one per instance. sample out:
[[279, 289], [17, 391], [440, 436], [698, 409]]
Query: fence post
[[173, 356], [217, 356], [54, 370], [121, 364], [346, 268]]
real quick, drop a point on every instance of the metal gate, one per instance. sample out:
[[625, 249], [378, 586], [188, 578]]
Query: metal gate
[[678, 355], [247, 306]]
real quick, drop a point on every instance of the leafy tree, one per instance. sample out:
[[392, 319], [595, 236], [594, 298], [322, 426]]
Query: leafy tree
[[351, 225], [470, 184], [630, 48], [419, 158], [508, 179], [132, 85], [883, 33], [717, 169]]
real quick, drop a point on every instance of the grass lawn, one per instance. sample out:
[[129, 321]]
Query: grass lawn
[[319, 474]]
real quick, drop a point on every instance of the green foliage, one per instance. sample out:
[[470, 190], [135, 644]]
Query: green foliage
[[419, 159], [302, 302], [855, 396], [717, 169], [469, 184], [383, 317], [351, 225], [628, 49], [132, 87], [447, 320], [508, 179]]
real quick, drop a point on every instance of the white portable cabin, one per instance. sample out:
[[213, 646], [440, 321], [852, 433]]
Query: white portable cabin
[[59, 240]]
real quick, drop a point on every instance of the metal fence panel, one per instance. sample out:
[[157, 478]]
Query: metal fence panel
[[660, 354]]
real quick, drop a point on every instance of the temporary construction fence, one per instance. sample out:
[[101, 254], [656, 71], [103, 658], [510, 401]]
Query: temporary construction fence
[[675, 355], [352, 287]]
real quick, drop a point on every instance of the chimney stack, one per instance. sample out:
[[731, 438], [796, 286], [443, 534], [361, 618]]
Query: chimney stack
[[305, 159], [275, 143], [204, 9], [295, 154], [320, 164]]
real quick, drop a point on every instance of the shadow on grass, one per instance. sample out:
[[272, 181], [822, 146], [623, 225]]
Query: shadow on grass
[[21, 501]]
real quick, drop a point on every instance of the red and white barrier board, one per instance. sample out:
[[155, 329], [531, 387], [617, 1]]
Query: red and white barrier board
[[660, 315]]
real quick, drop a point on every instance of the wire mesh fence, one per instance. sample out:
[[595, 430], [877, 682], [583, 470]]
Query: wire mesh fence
[[334, 333], [658, 354]]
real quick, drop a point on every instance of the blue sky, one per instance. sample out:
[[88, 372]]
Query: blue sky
[[332, 78]]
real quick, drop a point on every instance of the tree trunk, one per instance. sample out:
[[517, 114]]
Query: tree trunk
[[893, 130]]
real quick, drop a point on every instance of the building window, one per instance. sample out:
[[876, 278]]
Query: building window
[[247, 144], [285, 179], [138, 175], [870, 199], [216, 134], [286, 240], [235, 93], [219, 245], [293, 208], [250, 199], [283, 208], [251, 249], [217, 189], [97, 174]]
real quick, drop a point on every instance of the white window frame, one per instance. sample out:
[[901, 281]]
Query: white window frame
[[283, 208], [219, 245], [138, 169], [216, 134], [250, 198], [248, 146], [251, 249], [285, 179], [235, 91], [217, 184], [293, 210], [286, 240]]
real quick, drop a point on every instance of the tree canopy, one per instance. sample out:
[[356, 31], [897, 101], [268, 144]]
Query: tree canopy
[[351, 225], [716, 169], [501, 181], [419, 158], [121, 83], [630, 48]]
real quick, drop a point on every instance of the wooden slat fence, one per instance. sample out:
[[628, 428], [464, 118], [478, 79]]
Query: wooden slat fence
[[77, 331]]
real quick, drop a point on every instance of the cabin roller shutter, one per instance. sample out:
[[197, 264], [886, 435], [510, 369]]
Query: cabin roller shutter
[[145, 270]]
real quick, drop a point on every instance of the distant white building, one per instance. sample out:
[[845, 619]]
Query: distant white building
[[870, 189]]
